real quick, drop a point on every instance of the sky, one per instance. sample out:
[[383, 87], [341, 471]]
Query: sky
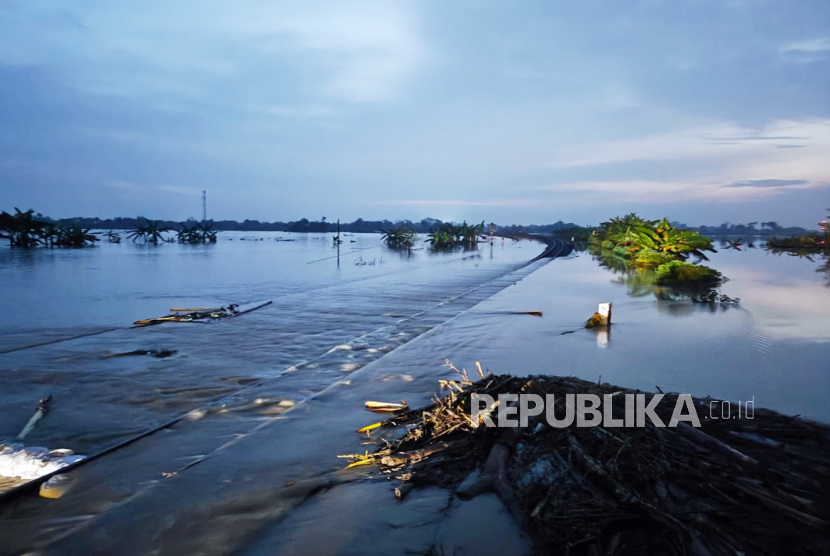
[[703, 111]]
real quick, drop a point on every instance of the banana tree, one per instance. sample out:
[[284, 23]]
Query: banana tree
[[666, 238], [470, 234], [113, 237], [399, 238], [207, 233], [73, 236], [148, 230], [22, 229]]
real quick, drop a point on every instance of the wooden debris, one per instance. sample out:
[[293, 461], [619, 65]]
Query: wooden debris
[[371, 427], [751, 486], [403, 490], [384, 407]]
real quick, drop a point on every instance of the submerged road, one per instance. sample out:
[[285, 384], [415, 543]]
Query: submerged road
[[204, 483]]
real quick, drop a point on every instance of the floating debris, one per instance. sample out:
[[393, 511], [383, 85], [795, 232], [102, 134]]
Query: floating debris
[[31, 462], [384, 407], [732, 486], [205, 315], [157, 353], [712, 297]]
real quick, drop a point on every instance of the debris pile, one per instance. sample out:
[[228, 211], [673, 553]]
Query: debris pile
[[732, 486]]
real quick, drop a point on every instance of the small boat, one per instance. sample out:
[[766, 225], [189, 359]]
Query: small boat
[[204, 314]]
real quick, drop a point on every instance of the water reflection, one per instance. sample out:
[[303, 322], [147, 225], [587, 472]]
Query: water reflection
[[825, 269], [603, 336], [823, 258], [642, 283]]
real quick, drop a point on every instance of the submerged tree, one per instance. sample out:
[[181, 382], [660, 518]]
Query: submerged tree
[[150, 231], [25, 229], [113, 237], [399, 238], [72, 236], [653, 255], [22, 229], [197, 233], [449, 235]]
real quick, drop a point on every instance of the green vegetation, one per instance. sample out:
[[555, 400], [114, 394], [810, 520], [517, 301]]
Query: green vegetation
[[23, 229], [653, 258], [196, 233], [650, 260], [72, 236], [400, 238], [811, 243], [449, 236], [681, 272], [150, 231], [650, 242], [113, 237], [808, 246]]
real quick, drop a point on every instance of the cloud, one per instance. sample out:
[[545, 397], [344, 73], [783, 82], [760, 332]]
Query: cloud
[[527, 203], [685, 189], [767, 183], [126, 185], [761, 138], [178, 189], [808, 51], [313, 105], [366, 51], [122, 184], [811, 46], [715, 139], [299, 111], [693, 164]]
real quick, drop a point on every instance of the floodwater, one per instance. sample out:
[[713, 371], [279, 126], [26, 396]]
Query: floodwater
[[773, 349], [68, 316], [276, 394]]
